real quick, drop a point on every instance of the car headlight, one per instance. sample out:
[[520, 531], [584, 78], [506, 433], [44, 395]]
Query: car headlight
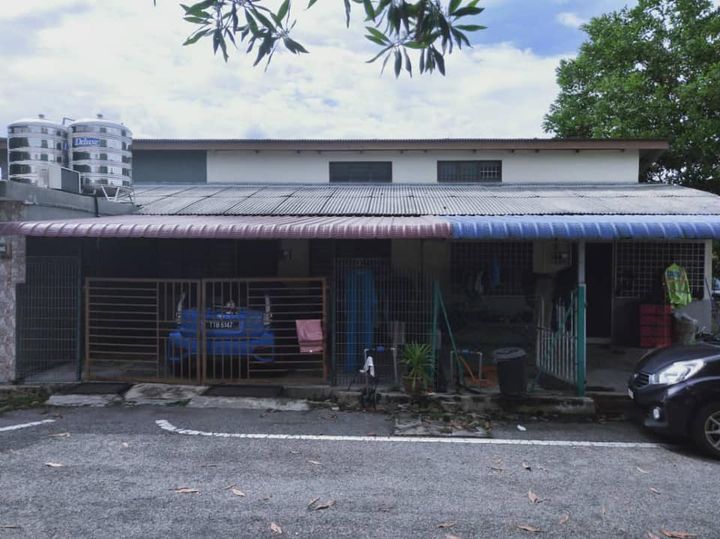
[[677, 372]]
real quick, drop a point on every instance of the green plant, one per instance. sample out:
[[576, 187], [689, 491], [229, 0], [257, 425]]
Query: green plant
[[418, 359]]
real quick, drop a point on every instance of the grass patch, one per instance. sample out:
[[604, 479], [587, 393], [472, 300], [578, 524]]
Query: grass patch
[[21, 400]]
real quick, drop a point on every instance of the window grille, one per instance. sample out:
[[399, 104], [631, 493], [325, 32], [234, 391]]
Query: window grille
[[493, 269], [469, 171], [639, 267], [361, 171]]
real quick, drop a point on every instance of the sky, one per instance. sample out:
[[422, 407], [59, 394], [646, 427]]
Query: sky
[[125, 59]]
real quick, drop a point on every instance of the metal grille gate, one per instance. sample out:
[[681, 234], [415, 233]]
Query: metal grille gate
[[377, 307], [557, 341], [48, 320], [211, 330]]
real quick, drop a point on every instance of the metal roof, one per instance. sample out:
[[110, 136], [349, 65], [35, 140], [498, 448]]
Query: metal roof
[[646, 145], [262, 227], [425, 200]]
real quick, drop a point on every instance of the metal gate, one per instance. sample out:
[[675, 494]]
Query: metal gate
[[206, 331], [48, 320], [560, 349], [377, 308]]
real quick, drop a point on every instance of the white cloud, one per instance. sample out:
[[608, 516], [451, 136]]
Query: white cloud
[[124, 59], [570, 19]]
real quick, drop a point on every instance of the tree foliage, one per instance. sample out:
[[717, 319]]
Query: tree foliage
[[649, 71], [431, 28]]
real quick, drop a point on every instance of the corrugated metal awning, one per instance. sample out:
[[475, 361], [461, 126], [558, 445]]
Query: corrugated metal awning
[[587, 227], [234, 227]]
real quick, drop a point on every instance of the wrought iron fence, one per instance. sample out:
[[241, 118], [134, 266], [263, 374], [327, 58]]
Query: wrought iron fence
[[377, 309], [557, 341], [212, 330], [48, 320]]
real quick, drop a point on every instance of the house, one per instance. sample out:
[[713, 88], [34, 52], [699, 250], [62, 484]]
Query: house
[[234, 248]]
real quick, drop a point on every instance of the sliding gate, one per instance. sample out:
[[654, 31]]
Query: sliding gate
[[206, 331]]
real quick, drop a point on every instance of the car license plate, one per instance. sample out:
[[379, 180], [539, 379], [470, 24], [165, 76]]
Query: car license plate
[[631, 394], [223, 324]]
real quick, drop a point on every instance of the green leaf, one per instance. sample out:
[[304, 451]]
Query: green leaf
[[283, 10], [470, 27], [369, 11], [378, 34], [398, 63]]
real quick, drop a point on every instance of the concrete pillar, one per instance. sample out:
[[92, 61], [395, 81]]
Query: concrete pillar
[[12, 272]]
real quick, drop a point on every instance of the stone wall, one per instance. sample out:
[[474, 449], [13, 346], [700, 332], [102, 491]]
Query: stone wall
[[12, 272]]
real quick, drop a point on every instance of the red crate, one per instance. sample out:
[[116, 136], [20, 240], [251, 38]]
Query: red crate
[[647, 308], [655, 331], [655, 320]]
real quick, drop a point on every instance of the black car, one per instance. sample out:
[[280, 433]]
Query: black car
[[679, 389]]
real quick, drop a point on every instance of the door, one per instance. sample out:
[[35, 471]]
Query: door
[[598, 277]]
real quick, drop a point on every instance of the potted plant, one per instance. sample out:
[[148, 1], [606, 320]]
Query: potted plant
[[418, 360]]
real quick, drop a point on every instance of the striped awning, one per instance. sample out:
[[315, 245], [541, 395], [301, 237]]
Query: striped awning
[[587, 227]]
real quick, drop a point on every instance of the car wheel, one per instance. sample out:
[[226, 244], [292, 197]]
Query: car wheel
[[706, 429]]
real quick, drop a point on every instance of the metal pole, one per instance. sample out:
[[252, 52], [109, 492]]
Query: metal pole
[[581, 329]]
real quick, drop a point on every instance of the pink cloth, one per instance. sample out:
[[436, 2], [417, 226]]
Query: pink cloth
[[310, 336]]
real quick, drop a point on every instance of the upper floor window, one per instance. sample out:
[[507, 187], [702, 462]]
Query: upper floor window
[[361, 171], [478, 171]]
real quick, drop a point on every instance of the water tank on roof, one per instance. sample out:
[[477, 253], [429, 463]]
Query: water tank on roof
[[37, 150], [101, 152]]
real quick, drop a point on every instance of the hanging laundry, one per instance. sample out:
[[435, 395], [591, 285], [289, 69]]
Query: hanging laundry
[[677, 286]]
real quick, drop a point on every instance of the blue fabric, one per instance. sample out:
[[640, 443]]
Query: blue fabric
[[588, 227]]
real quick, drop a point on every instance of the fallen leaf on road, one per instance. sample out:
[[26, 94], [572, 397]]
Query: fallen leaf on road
[[324, 505], [496, 469], [60, 435], [654, 490], [313, 501], [237, 492], [9, 526], [451, 536], [229, 487], [521, 428], [639, 469], [651, 535], [275, 529], [294, 452], [125, 444], [267, 498], [444, 525], [528, 528], [564, 519], [677, 535], [315, 462], [186, 490], [372, 433], [534, 498], [54, 465], [527, 466]]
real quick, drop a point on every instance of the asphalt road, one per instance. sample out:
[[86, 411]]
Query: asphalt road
[[120, 472]]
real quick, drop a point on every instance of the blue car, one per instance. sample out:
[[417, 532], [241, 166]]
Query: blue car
[[230, 333]]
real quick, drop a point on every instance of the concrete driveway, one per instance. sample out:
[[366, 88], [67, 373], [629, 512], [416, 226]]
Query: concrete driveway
[[121, 474]]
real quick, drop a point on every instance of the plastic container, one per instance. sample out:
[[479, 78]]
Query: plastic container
[[511, 371]]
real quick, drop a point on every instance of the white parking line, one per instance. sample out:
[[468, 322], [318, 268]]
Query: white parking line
[[26, 425], [167, 426]]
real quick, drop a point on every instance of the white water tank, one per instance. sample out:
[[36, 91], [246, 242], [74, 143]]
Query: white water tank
[[101, 152], [37, 150]]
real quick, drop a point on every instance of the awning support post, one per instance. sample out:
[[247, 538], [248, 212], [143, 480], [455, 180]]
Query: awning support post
[[581, 329]]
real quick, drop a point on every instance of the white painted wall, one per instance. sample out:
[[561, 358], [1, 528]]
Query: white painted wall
[[546, 166]]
